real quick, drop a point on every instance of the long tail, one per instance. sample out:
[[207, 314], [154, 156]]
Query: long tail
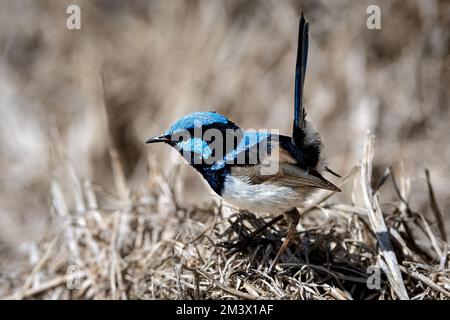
[[298, 133]]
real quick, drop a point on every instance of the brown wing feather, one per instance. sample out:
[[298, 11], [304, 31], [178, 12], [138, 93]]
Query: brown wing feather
[[288, 173]]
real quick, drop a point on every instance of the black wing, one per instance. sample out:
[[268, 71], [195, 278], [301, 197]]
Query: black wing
[[298, 133]]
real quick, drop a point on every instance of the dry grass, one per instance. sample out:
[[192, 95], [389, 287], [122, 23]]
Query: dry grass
[[147, 246]]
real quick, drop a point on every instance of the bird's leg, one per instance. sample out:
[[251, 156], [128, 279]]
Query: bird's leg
[[292, 216]]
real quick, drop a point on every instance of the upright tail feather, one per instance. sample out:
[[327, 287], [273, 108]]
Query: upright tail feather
[[300, 70]]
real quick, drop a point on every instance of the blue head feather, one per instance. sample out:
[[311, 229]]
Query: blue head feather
[[196, 120], [196, 145]]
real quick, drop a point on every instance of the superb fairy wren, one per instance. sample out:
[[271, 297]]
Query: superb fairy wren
[[257, 171]]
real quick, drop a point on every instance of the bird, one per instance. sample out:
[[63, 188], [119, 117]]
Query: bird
[[258, 171]]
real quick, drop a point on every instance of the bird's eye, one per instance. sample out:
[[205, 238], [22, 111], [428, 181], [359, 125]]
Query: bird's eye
[[177, 138]]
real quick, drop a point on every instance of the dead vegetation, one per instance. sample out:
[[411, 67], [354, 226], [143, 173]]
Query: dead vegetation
[[148, 247]]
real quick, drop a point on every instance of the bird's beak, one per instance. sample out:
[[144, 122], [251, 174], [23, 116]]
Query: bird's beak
[[162, 138]]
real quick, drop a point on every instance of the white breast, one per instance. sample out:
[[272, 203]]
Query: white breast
[[266, 197]]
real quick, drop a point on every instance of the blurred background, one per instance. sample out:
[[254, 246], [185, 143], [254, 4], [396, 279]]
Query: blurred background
[[69, 96]]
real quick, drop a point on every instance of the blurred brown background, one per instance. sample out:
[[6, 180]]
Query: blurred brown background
[[162, 59]]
